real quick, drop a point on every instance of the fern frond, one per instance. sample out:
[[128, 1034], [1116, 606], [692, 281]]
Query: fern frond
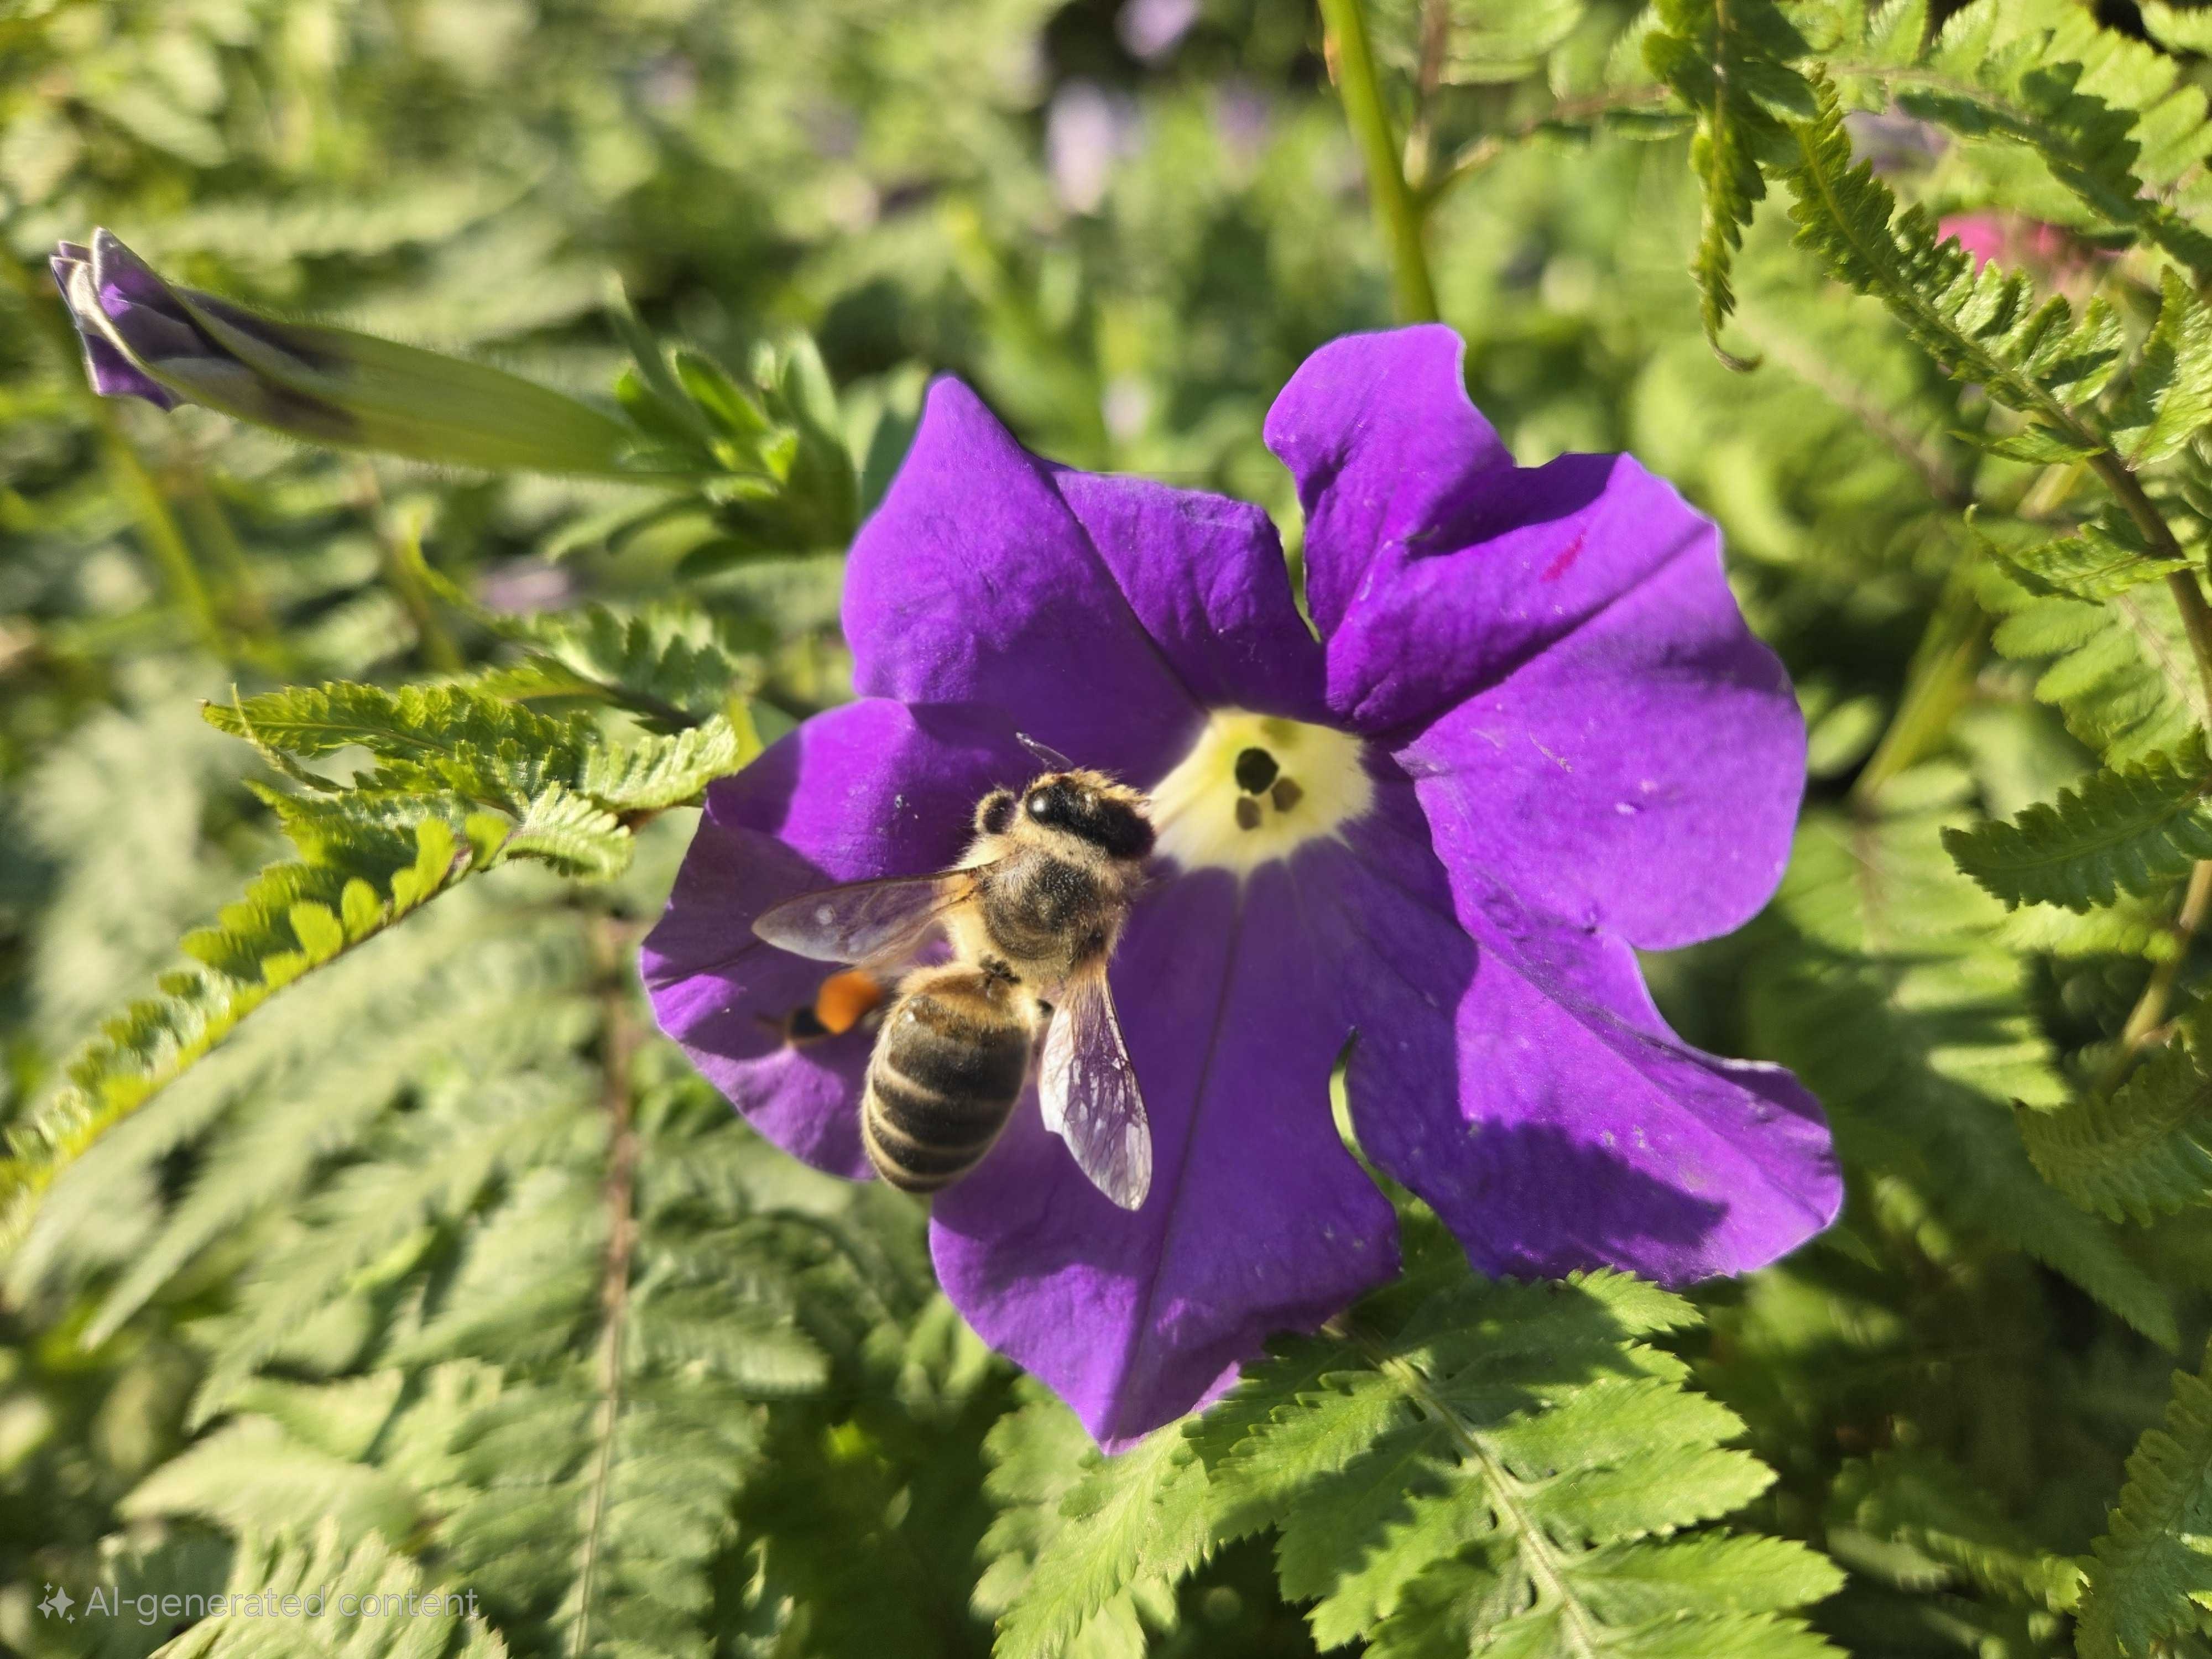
[[1082, 1545], [1503, 1466], [1989, 78], [1731, 62], [1982, 325], [2129, 830], [465, 785], [1917, 1497], [264, 1612], [2146, 1150], [2152, 1574], [1899, 1005], [2120, 672], [2107, 557]]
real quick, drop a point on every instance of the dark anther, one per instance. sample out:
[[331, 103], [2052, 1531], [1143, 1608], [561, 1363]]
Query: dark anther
[[1248, 812], [1255, 770], [1286, 794]]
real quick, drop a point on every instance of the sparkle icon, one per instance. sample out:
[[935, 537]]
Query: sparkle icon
[[58, 1601]]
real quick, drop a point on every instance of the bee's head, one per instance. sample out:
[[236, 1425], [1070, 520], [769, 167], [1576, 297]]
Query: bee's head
[[1092, 808]]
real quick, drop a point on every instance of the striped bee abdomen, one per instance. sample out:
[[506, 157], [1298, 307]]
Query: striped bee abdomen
[[949, 1066]]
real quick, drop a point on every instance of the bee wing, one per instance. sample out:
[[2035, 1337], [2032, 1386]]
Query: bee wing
[[1088, 1091], [868, 921]]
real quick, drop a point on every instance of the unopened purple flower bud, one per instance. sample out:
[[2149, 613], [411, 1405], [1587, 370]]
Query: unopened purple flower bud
[[147, 337], [111, 374]]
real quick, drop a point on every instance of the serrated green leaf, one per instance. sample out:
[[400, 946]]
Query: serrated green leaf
[[2146, 1150], [1731, 62], [2152, 1574], [2131, 831], [2105, 558]]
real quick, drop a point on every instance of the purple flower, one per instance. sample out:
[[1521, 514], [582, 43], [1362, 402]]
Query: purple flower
[[1534, 734]]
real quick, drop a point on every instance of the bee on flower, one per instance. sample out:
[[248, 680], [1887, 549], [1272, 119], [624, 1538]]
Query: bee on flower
[[1527, 734]]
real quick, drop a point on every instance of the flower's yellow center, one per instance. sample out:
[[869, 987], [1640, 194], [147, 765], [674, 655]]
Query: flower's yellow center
[[1256, 787]]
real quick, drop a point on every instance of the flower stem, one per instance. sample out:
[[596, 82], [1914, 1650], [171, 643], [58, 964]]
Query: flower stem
[[1396, 215]]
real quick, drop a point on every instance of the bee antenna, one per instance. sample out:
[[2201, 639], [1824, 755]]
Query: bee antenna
[[1045, 752]]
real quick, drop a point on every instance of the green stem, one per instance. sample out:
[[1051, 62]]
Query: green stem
[[213, 526], [403, 559], [2149, 1011], [158, 529], [1943, 668], [1396, 215]]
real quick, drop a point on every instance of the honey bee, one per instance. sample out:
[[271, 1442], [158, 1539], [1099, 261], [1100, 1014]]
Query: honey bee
[[1032, 915]]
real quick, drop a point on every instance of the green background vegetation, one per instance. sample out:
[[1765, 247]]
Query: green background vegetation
[[444, 1271]]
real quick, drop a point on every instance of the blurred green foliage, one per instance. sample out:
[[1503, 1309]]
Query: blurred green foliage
[[442, 1271]]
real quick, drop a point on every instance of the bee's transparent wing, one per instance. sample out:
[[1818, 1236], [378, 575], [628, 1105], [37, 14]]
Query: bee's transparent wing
[[864, 922], [1088, 1091]]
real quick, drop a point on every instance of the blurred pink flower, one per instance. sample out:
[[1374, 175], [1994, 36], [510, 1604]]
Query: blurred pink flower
[[2047, 251]]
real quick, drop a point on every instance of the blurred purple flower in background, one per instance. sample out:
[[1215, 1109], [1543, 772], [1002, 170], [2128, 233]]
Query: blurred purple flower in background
[[1894, 141], [1533, 736], [1087, 132], [1151, 29]]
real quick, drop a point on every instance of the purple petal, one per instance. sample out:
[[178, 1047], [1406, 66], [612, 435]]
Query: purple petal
[[973, 582], [1554, 1122], [1379, 433], [1258, 1221], [142, 313], [114, 375], [1659, 747], [1103, 613], [111, 373], [1206, 580], [874, 788], [1435, 567]]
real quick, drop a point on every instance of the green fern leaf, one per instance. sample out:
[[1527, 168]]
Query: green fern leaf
[[1125, 1526], [2152, 1575], [1982, 325], [1919, 1499], [2132, 831], [571, 832], [283, 1601], [1731, 62], [2105, 558], [2120, 672], [1896, 1003], [2020, 87], [667, 771], [1497, 1465], [2146, 1150], [2177, 28]]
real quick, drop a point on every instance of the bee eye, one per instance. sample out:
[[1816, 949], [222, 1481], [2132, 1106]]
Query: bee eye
[[1038, 804]]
